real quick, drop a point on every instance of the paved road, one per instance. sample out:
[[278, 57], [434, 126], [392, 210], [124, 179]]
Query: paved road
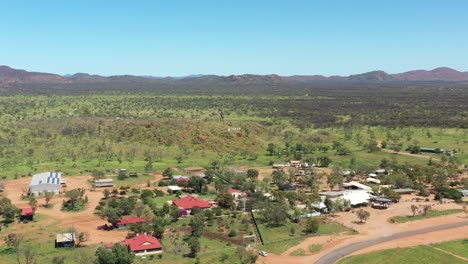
[[339, 253]]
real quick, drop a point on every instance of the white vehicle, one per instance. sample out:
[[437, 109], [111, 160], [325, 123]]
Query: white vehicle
[[263, 253]]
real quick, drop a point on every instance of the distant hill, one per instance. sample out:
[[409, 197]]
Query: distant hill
[[10, 77]]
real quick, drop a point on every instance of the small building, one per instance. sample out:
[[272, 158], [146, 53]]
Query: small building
[[278, 166], [142, 245], [45, 182], [125, 221], [295, 163], [372, 180], [174, 188], [63, 182], [189, 202], [464, 192], [404, 191], [65, 240], [356, 186], [103, 183], [27, 214], [236, 193]]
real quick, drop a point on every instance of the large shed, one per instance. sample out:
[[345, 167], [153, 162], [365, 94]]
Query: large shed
[[45, 182]]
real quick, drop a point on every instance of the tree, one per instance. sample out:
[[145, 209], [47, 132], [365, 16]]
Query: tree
[[414, 209], [252, 173], [363, 215], [194, 245], [275, 215], [280, 178], [97, 174], [334, 180], [104, 256], [118, 254], [30, 255], [225, 200], [15, 241], [196, 183], [33, 203], [73, 196], [168, 172], [246, 256], [312, 225], [159, 225], [82, 237], [106, 194], [323, 161], [271, 149], [112, 215], [197, 223], [426, 208], [48, 196], [9, 211]]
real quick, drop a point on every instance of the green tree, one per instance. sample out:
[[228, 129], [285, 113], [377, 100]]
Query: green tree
[[363, 215], [246, 256], [196, 183], [271, 149], [194, 245], [225, 200], [48, 196], [73, 196], [32, 203], [312, 225], [168, 172], [275, 215], [252, 173], [118, 254], [197, 223]]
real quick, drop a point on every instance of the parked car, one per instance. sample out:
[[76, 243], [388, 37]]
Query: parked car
[[263, 253]]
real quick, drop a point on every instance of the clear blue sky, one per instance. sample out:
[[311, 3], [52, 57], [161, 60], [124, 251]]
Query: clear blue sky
[[233, 37]]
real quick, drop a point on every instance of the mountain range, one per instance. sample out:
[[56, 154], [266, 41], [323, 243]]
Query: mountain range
[[12, 77]]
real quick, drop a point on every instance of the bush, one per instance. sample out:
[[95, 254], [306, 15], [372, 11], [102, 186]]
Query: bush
[[312, 225], [232, 233]]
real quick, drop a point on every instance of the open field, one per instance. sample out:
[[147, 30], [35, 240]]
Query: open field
[[431, 213], [420, 254]]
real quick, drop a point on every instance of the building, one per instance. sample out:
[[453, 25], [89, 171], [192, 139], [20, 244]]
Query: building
[[45, 182], [180, 179], [27, 214], [141, 245], [355, 197], [125, 221], [236, 193], [174, 188], [356, 186], [65, 240], [404, 191], [189, 202], [103, 183]]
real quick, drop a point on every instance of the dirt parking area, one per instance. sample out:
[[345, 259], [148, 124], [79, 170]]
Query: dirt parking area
[[84, 221]]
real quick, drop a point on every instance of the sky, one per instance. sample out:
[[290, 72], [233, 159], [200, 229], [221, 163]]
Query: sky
[[178, 38]]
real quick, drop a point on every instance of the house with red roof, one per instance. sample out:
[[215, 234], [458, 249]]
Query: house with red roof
[[142, 244], [189, 202], [125, 221], [27, 214]]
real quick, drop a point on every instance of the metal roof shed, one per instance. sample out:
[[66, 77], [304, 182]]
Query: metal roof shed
[[45, 182]]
